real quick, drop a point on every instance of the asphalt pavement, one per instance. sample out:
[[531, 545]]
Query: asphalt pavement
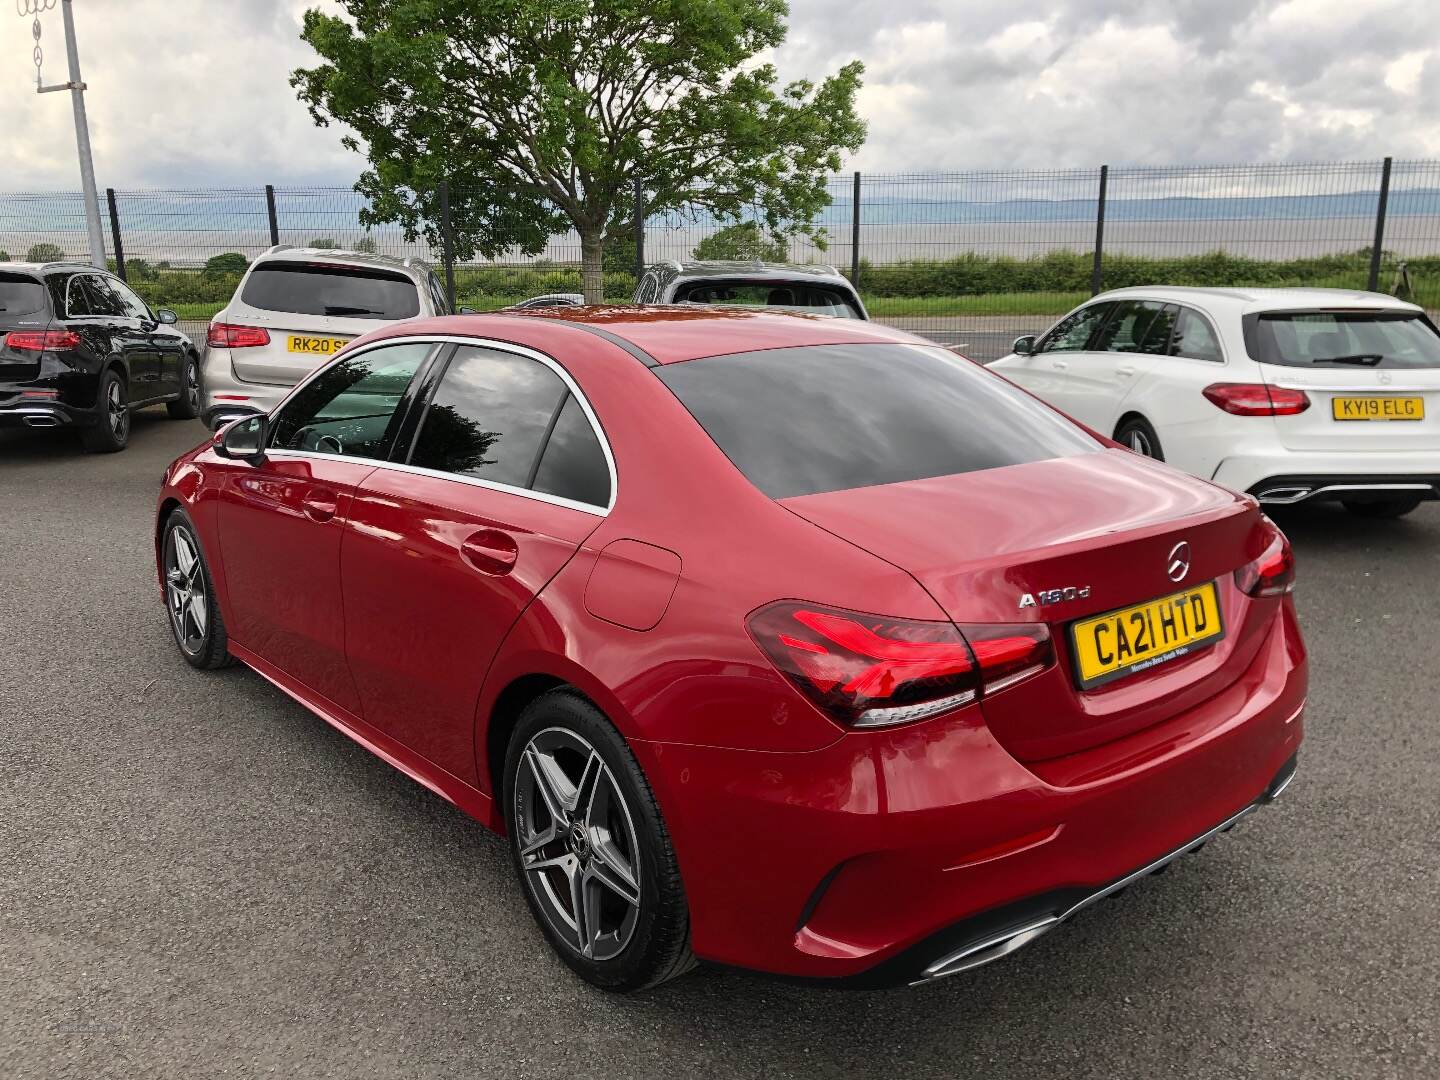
[[199, 878]]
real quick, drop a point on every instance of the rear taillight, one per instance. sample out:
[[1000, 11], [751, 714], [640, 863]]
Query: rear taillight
[[1256, 399], [872, 671], [1273, 573], [229, 336], [42, 340]]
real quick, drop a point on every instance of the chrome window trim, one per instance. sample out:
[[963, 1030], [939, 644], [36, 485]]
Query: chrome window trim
[[70, 312], [473, 481]]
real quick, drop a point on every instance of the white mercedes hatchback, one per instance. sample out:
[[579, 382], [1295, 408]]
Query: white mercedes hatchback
[[1290, 395], [297, 307]]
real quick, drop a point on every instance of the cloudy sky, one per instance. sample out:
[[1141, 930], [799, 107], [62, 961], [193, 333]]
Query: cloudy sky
[[194, 92]]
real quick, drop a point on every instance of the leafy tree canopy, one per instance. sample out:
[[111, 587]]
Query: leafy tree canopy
[[542, 114], [230, 263], [743, 241], [45, 252]]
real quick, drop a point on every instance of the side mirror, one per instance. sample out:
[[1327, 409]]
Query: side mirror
[[467, 311], [1023, 346], [243, 440], [166, 316]]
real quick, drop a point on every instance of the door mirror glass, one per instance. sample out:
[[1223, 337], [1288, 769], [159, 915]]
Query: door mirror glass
[[244, 440], [1023, 346], [165, 315]]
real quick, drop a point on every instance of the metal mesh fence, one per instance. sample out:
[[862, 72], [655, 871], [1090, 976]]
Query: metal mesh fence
[[969, 258]]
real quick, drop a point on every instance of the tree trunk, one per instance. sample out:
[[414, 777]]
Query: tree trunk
[[592, 265]]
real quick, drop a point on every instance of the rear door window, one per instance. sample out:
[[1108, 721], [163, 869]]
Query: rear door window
[[20, 295], [1073, 333], [824, 418], [322, 289], [489, 417], [1343, 339], [1195, 338]]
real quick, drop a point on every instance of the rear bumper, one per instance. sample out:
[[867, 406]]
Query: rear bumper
[[220, 386], [888, 854], [1329, 487], [28, 413], [1288, 477]]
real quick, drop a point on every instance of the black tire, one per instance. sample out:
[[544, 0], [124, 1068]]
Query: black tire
[[111, 430], [657, 946], [1383, 509], [187, 405], [1137, 434], [204, 647]]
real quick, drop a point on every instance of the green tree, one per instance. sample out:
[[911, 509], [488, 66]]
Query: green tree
[[323, 243], [4, 255], [542, 114], [743, 241], [366, 245], [230, 264], [44, 252]]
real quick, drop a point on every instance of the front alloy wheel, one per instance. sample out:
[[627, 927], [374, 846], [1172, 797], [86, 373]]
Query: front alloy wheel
[[190, 597]]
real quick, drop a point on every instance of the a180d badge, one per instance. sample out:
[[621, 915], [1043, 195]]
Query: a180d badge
[[1046, 597]]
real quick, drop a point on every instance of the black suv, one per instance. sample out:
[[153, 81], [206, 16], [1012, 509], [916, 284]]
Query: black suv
[[79, 349]]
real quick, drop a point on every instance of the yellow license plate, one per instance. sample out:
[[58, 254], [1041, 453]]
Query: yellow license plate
[[316, 346], [1377, 408], [1120, 643]]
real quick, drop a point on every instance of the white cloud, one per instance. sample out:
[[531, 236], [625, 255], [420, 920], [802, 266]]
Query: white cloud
[[195, 92]]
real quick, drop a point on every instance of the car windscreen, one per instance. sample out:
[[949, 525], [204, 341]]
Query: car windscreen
[[322, 289], [21, 295], [785, 295], [829, 417], [1342, 339]]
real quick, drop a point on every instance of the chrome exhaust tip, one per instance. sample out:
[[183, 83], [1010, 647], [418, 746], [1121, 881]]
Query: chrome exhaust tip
[[41, 421], [1284, 496]]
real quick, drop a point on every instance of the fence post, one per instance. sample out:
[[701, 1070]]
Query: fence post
[[855, 234], [1374, 285], [639, 227], [1097, 272], [447, 243], [274, 219], [115, 235]]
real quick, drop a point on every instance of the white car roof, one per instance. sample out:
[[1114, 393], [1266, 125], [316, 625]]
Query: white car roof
[[1240, 300], [414, 268]]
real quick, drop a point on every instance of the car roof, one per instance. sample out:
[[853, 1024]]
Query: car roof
[[344, 257], [1243, 300], [663, 333], [760, 271], [48, 267]]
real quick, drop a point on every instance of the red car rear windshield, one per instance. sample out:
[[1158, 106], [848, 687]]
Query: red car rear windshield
[[825, 418], [323, 289]]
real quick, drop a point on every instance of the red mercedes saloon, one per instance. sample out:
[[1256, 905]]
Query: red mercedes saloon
[[787, 643]]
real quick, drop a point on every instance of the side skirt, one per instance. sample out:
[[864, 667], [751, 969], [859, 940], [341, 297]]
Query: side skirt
[[467, 798]]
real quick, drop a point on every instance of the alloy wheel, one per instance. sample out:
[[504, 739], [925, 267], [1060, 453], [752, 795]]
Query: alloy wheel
[[185, 591], [192, 386], [577, 844], [116, 410], [1138, 441]]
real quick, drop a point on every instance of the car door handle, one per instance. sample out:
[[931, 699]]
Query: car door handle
[[1060, 365], [490, 551], [319, 504], [1126, 370]]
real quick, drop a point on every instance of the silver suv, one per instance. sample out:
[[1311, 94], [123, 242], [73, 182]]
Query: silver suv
[[820, 290], [295, 308]]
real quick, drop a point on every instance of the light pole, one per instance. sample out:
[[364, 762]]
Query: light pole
[[82, 128]]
